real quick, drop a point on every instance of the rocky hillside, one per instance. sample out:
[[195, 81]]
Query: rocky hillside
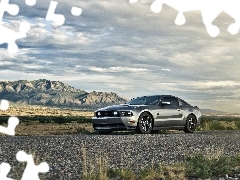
[[54, 93]]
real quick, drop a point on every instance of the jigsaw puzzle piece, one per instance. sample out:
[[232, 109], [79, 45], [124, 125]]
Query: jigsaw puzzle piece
[[12, 9], [180, 19], [76, 11], [9, 36], [31, 171], [10, 129], [210, 10], [51, 16], [156, 6], [4, 170], [133, 1], [12, 121], [4, 105], [30, 2], [232, 8]]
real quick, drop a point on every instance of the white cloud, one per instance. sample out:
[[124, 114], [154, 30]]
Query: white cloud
[[123, 47], [166, 70]]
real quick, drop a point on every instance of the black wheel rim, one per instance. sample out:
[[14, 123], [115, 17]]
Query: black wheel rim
[[192, 123], [145, 123]]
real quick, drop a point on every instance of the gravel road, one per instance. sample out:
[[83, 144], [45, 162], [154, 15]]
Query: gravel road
[[68, 154]]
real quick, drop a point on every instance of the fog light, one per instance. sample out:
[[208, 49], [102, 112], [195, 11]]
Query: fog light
[[132, 121]]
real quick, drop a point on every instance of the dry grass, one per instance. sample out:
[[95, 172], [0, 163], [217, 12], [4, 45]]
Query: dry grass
[[44, 111], [40, 129], [35, 128], [96, 167]]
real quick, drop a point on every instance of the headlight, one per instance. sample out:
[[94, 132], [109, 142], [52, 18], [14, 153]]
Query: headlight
[[126, 113], [97, 114]]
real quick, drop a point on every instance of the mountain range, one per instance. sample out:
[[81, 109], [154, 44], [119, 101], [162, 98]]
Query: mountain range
[[56, 94]]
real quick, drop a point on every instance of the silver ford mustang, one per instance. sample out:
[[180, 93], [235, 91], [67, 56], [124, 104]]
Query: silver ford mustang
[[148, 114]]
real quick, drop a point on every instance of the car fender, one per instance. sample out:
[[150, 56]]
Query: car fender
[[148, 111]]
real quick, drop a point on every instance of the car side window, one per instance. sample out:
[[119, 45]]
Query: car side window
[[152, 100], [173, 101], [183, 103]]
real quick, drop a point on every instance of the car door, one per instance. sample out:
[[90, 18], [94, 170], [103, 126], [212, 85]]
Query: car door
[[169, 112]]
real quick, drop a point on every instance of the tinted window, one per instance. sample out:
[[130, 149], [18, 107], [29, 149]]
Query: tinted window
[[152, 100], [183, 103], [137, 101], [146, 100], [173, 101]]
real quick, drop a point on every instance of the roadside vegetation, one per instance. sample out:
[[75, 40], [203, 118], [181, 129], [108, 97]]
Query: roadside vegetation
[[209, 123], [196, 166], [68, 124]]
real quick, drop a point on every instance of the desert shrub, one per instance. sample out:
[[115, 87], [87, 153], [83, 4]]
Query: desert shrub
[[198, 166], [221, 166], [82, 119], [44, 120], [203, 167], [62, 120], [49, 119], [230, 128], [126, 174], [217, 125], [237, 123], [3, 119]]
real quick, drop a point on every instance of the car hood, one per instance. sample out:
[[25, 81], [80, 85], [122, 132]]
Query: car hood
[[120, 107]]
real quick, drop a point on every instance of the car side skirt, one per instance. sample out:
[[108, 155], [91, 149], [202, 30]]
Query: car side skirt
[[168, 128]]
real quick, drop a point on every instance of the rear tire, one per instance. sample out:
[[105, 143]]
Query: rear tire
[[191, 123], [145, 123], [105, 132]]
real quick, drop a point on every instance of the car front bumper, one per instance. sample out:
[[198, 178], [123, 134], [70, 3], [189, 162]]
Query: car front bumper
[[114, 123]]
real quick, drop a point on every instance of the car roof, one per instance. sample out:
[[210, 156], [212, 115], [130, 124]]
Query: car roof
[[158, 95]]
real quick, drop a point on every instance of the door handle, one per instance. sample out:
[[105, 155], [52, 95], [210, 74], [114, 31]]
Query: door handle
[[179, 109]]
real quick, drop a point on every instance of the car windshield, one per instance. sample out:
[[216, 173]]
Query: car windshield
[[145, 100]]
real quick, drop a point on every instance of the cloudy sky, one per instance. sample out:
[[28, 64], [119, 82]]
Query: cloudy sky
[[116, 46]]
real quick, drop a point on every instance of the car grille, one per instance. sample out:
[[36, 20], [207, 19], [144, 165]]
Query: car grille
[[115, 125], [106, 114]]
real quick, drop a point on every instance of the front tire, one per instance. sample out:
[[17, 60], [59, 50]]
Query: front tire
[[145, 123], [191, 124]]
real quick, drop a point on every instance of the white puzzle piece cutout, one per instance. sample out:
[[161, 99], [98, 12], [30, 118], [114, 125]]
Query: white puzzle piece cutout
[[76, 11], [4, 105], [210, 10], [31, 171], [9, 36], [30, 2], [59, 19], [12, 9], [4, 170], [12, 121], [133, 1], [10, 129]]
